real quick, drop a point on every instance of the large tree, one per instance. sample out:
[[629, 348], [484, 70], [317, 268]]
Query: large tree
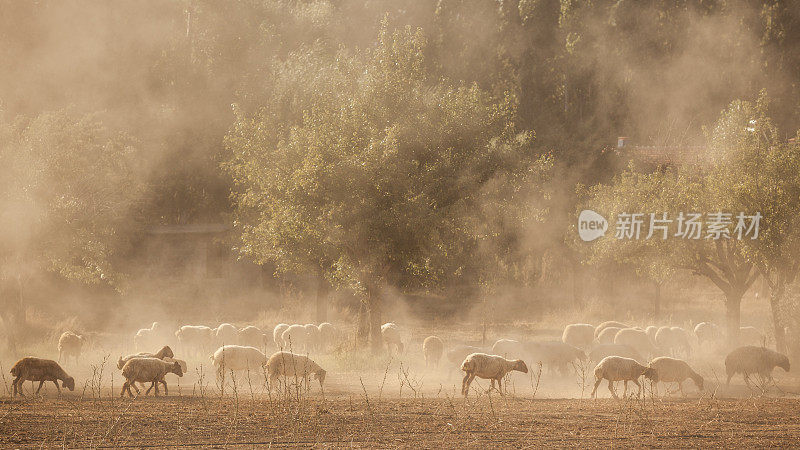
[[365, 171]]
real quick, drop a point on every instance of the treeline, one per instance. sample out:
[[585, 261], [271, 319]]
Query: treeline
[[402, 143]]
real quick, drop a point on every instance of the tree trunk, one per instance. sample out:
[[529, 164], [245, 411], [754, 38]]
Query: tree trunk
[[322, 300], [733, 305], [375, 305], [777, 321], [657, 302]]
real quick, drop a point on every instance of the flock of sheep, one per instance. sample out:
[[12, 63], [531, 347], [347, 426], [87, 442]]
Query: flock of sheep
[[620, 352]]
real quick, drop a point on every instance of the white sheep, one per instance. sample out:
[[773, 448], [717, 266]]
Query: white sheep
[[164, 352], [149, 337], [196, 339], [488, 367], [673, 340], [672, 370], [707, 332], [69, 344], [288, 365], [251, 336], [607, 335], [295, 338], [432, 348], [578, 335], [226, 333], [235, 358], [41, 370], [277, 335], [509, 348], [314, 338], [610, 323], [391, 337], [328, 335], [148, 370], [635, 338], [602, 351], [751, 336], [754, 360], [555, 355], [617, 368]]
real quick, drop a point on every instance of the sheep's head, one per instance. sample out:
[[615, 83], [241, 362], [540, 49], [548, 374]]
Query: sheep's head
[[166, 352], [120, 363], [782, 362], [699, 382], [176, 369], [69, 383], [320, 375], [520, 366], [650, 373]]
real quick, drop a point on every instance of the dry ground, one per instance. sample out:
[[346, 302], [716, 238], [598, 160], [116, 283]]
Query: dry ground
[[366, 421]]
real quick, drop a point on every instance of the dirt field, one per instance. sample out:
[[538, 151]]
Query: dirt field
[[366, 421]]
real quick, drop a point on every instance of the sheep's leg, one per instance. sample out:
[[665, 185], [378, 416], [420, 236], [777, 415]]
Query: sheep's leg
[[58, 388], [639, 392], [680, 388], [625, 392], [147, 392], [500, 386], [596, 383], [40, 387], [654, 387], [611, 388], [166, 392], [464, 384]]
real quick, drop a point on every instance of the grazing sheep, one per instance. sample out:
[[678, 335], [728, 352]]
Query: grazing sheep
[[751, 359], [555, 355], [635, 338], [162, 354], [607, 335], [578, 335], [41, 370], [673, 340], [508, 348], [617, 368], [671, 370], [432, 347], [251, 336], [277, 334], [237, 358], [707, 332], [149, 337], [489, 367], [147, 370], [69, 344], [288, 364], [196, 339], [751, 336], [602, 351], [314, 338], [295, 338], [391, 337], [226, 334], [328, 335], [610, 323]]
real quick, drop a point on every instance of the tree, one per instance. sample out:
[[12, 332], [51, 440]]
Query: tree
[[66, 195], [365, 171]]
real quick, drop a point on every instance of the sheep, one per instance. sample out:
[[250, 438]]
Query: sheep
[[610, 323], [491, 367], [226, 333], [314, 339], [291, 365], [651, 332], [635, 338], [751, 336], [508, 348], [578, 335], [165, 352], [751, 359], [197, 338], [605, 350], [328, 335], [707, 332], [295, 338], [432, 348], [41, 370], [144, 370], [251, 336], [672, 370], [607, 335], [617, 368], [391, 337], [555, 355], [237, 358], [673, 339], [277, 334], [149, 337], [69, 344]]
